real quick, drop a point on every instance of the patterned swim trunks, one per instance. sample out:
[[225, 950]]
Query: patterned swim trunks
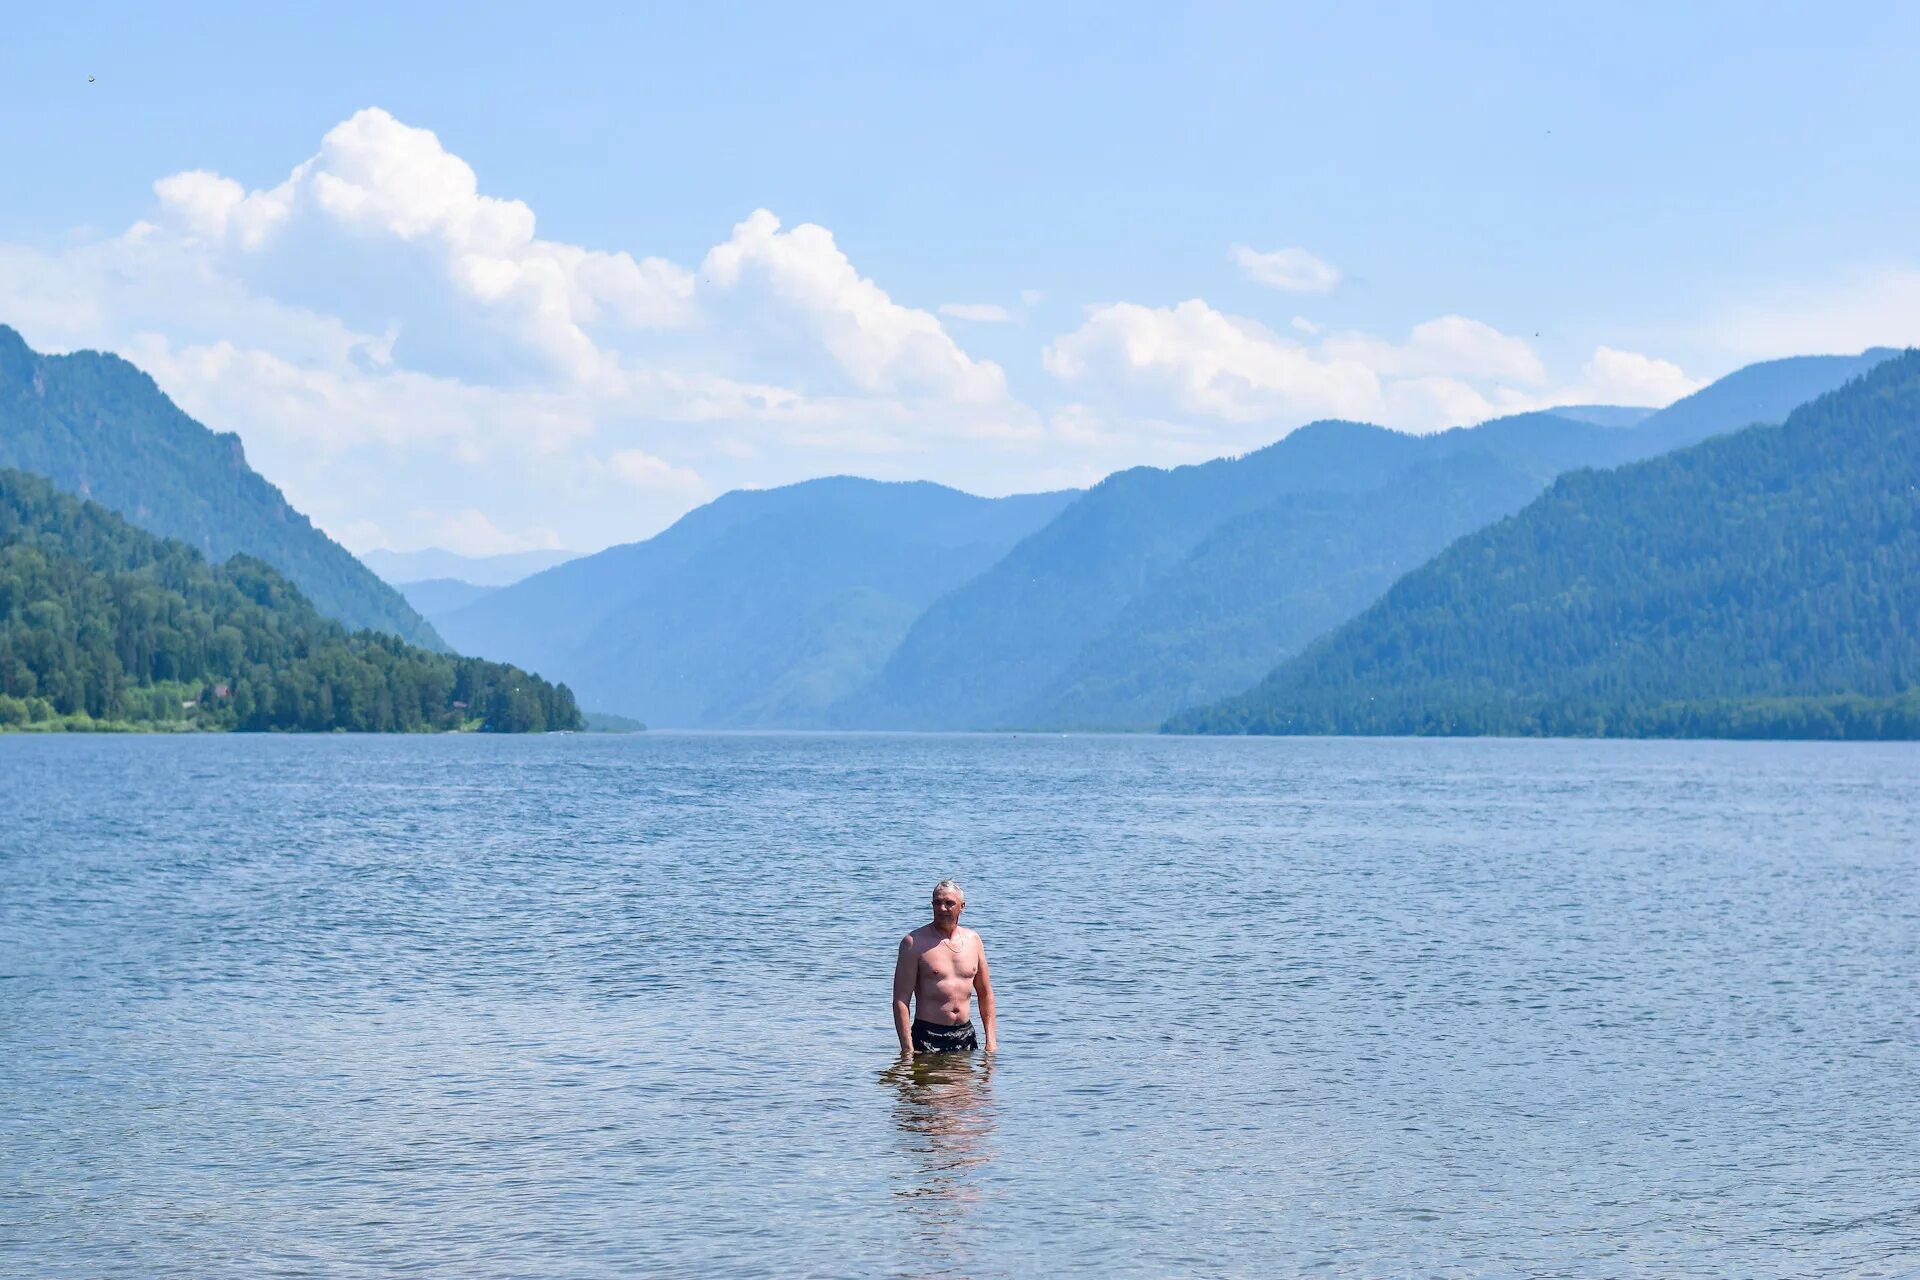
[[938, 1037]]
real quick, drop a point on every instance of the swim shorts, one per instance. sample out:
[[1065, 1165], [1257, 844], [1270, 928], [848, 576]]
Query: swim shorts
[[938, 1037]]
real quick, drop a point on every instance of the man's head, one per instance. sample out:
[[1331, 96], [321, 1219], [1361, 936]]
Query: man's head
[[949, 900]]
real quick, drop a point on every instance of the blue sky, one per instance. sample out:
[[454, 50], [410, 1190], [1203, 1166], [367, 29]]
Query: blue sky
[[1157, 236]]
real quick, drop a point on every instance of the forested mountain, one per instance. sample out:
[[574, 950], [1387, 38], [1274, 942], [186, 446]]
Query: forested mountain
[[102, 622], [403, 568], [99, 428], [1765, 582], [761, 608], [1264, 584], [1157, 588], [982, 653]]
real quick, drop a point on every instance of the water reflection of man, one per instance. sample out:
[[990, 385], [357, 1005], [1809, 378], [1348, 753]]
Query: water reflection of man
[[940, 968], [945, 1112]]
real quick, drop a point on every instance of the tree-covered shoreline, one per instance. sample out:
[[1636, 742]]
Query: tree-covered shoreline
[[1832, 718], [104, 626]]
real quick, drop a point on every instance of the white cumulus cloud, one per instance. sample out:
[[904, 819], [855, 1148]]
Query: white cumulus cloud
[[1199, 360], [1628, 377], [1447, 346], [390, 338], [881, 345], [1150, 364], [381, 180], [214, 207]]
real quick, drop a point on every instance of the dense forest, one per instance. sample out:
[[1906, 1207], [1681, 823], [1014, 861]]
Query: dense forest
[[1764, 583], [105, 625], [100, 429]]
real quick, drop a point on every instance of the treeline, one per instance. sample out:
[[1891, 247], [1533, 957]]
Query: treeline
[[103, 624], [1762, 584], [1840, 717]]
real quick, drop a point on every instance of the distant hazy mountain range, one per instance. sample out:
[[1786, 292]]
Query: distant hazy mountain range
[[436, 581], [403, 567], [1604, 415], [437, 596], [99, 428], [854, 604], [1764, 583], [760, 608]]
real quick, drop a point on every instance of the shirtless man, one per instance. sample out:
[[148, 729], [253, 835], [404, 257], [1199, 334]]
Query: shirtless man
[[941, 966]]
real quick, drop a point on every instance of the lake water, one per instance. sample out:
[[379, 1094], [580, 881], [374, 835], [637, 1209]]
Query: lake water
[[578, 1006]]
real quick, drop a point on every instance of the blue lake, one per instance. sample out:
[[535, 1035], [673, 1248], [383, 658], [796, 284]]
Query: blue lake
[[578, 1006]]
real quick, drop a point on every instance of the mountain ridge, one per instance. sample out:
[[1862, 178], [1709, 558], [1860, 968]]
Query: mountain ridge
[[427, 564], [1025, 645], [756, 609], [1764, 581], [99, 427]]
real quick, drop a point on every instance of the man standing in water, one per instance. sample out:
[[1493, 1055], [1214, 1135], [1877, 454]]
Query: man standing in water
[[940, 968]]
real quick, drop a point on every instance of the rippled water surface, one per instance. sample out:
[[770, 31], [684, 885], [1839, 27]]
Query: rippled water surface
[[574, 1006]]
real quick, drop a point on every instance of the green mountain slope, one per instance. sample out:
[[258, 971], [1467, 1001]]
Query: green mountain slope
[[980, 655], [101, 622], [1262, 586], [1156, 585], [760, 609], [1763, 582], [99, 428]]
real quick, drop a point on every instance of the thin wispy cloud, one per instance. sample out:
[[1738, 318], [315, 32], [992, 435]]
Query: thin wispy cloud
[[1288, 270], [978, 312]]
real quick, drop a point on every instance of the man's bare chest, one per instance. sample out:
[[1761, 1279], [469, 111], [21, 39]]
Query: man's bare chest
[[946, 959]]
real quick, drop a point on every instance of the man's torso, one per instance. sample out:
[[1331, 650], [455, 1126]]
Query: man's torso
[[944, 973]]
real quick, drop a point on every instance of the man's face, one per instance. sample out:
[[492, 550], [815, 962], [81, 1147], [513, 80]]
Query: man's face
[[947, 906]]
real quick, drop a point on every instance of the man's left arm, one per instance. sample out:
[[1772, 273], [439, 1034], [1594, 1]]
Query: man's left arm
[[983, 988]]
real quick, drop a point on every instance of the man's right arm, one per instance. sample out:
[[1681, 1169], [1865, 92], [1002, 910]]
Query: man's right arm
[[905, 969]]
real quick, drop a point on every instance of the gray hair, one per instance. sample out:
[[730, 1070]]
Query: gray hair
[[953, 885]]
